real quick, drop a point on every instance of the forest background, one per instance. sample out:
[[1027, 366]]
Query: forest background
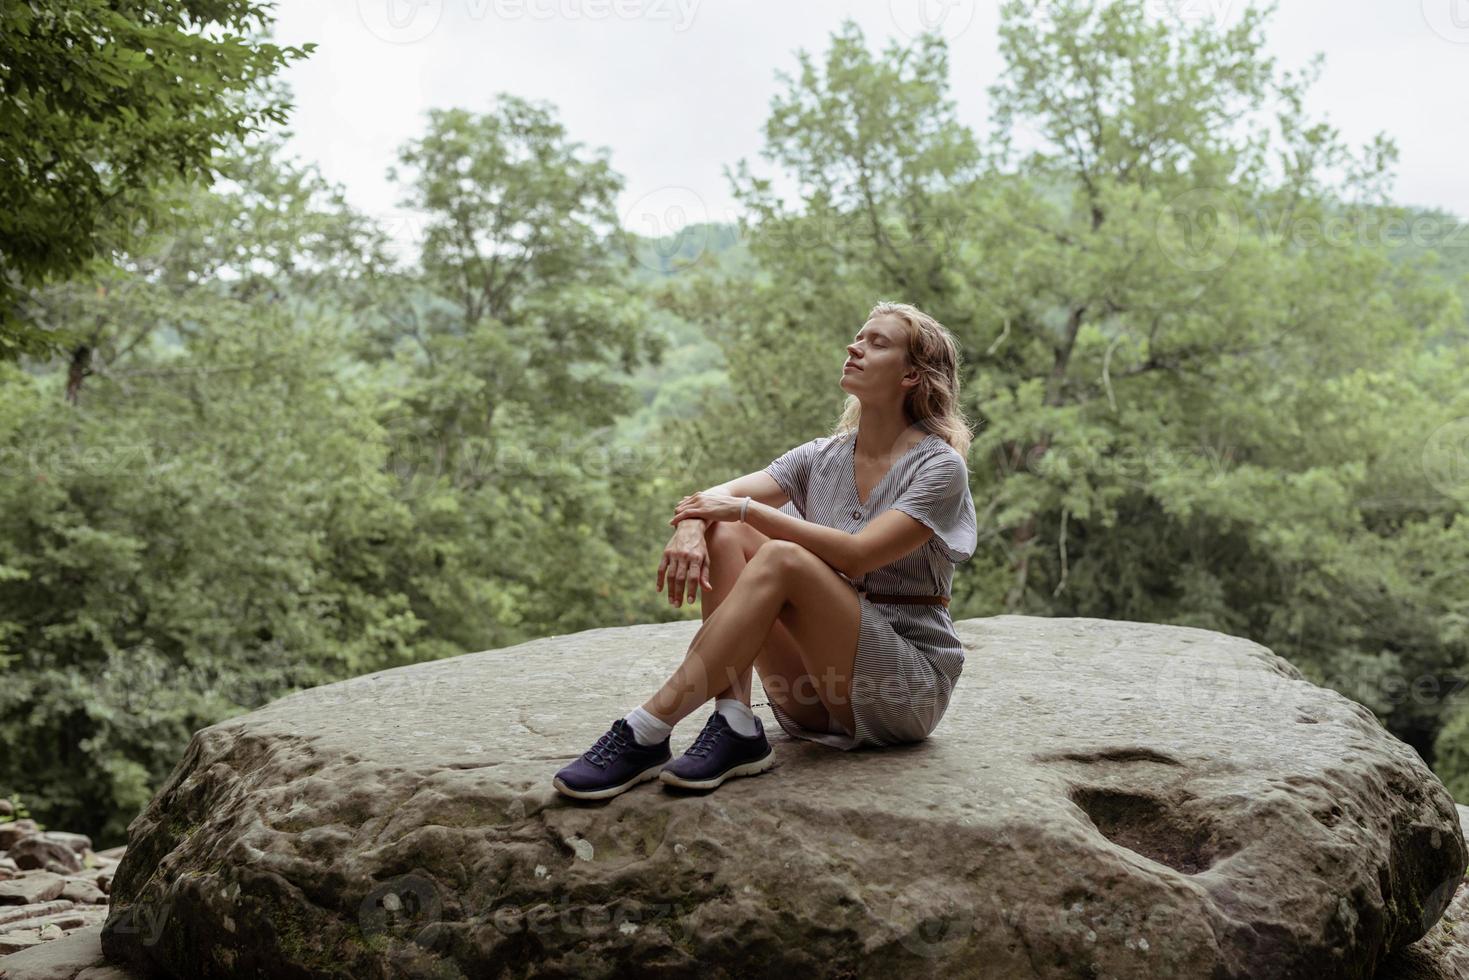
[[247, 446]]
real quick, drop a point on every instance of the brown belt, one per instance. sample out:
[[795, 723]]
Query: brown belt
[[922, 600]]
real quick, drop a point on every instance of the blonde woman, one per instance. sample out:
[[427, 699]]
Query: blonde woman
[[844, 608]]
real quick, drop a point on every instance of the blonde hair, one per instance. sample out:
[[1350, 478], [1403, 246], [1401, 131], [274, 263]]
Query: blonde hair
[[933, 403]]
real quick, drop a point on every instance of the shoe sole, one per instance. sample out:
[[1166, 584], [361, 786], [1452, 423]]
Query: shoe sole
[[747, 769], [601, 794]]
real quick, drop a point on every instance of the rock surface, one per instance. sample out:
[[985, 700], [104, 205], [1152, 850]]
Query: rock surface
[[1102, 799], [51, 884], [52, 903], [1443, 954], [77, 956]]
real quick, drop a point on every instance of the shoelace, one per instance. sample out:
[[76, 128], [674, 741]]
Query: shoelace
[[704, 741], [606, 749]]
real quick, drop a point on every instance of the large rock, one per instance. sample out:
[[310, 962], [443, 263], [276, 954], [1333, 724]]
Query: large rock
[[32, 888], [46, 851], [77, 956], [1443, 954], [1103, 799]]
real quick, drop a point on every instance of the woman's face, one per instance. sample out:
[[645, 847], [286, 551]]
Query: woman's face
[[877, 360]]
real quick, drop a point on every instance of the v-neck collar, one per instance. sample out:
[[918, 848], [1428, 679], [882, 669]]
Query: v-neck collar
[[852, 468]]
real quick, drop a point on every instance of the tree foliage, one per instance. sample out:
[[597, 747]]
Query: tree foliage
[[1205, 384], [102, 104], [1212, 389]]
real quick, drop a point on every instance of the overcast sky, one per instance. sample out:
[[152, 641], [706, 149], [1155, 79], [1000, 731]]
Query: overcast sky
[[677, 89]]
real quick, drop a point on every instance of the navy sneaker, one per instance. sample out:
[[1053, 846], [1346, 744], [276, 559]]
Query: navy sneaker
[[615, 764], [719, 753]]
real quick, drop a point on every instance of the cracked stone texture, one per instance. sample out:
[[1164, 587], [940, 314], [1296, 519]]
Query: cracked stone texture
[[1102, 799], [1443, 954]]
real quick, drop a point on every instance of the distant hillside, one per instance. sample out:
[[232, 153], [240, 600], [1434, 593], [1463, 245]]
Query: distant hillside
[[1440, 241], [706, 241], [691, 362]]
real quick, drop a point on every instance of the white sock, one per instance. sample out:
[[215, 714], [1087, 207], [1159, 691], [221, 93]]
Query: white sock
[[647, 729], [738, 714]]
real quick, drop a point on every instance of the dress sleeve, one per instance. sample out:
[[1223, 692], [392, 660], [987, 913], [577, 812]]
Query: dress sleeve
[[938, 495], [792, 470]]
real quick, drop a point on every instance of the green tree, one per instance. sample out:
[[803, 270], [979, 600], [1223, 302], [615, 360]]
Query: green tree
[[1204, 391], [270, 230], [1202, 342], [213, 531], [219, 517], [523, 249], [510, 352], [886, 177], [101, 105]]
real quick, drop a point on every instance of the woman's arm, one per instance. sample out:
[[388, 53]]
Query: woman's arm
[[759, 486], [685, 563], [885, 539]]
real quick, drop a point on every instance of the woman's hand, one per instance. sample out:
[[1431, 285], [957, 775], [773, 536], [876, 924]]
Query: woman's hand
[[708, 506], [686, 559]]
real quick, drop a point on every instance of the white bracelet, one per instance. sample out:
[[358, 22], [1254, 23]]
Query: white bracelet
[[744, 507]]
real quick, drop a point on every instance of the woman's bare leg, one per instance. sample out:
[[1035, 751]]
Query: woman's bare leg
[[730, 547], [782, 672], [782, 584]]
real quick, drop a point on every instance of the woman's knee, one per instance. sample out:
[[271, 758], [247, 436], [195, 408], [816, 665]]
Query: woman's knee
[[780, 557], [731, 537], [715, 536]]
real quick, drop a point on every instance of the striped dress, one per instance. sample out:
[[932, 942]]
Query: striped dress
[[908, 655]]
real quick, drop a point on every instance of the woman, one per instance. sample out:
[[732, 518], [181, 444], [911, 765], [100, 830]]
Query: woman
[[849, 599]]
